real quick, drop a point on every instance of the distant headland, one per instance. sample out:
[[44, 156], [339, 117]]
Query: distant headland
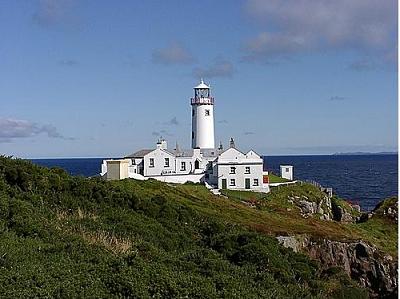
[[364, 153]]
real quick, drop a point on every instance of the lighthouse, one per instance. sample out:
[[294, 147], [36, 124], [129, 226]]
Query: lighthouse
[[202, 117]]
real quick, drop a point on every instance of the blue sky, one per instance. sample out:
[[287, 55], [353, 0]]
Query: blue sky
[[103, 78]]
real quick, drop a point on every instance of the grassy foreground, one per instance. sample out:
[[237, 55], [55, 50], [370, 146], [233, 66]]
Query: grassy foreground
[[64, 236]]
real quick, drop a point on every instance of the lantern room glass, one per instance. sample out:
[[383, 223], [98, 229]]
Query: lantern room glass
[[202, 93]]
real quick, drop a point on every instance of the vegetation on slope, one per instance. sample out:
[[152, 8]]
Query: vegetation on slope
[[273, 178], [64, 236], [274, 214], [382, 228]]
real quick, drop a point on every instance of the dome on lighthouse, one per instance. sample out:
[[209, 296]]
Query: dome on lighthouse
[[201, 85]]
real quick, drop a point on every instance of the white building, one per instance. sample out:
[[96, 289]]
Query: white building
[[217, 168], [287, 172], [202, 117], [236, 170]]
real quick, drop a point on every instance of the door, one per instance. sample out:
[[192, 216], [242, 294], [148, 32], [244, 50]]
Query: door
[[247, 183], [223, 183]]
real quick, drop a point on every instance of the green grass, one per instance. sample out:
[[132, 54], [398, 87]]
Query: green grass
[[66, 236], [276, 179], [381, 232], [272, 214], [243, 195]]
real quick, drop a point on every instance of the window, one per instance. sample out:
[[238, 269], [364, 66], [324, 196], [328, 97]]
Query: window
[[247, 170], [151, 162], [207, 112], [255, 182], [232, 182], [233, 170], [183, 166], [166, 162], [192, 135], [193, 112], [287, 169]]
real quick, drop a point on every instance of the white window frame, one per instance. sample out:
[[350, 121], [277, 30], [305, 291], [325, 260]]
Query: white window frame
[[232, 182], [247, 170], [207, 112], [166, 162], [232, 170], [256, 182], [183, 166], [151, 162]]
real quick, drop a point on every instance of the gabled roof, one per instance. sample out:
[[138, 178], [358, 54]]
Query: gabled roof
[[184, 153], [252, 151], [167, 151], [140, 154], [230, 149]]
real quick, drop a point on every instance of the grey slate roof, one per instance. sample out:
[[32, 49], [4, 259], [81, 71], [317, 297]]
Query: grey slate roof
[[205, 152], [180, 153], [139, 154]]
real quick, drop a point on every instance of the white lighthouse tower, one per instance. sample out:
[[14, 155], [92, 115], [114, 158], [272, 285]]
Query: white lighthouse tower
[[202, 117]]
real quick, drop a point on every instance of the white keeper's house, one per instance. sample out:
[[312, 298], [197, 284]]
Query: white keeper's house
[[217, 168]]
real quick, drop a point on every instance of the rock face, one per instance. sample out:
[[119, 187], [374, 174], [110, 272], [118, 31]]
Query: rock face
[[308, 208], [340, 214], [327, 208], [362, 262], [387, 209]]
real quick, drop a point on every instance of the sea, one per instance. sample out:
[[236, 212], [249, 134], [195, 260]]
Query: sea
[[362, 179]]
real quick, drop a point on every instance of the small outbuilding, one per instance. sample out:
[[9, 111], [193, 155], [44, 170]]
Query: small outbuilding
[[287, 172], [117, 169]]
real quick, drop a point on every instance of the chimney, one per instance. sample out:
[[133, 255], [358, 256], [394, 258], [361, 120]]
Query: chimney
[[162, 143], [232, 143]]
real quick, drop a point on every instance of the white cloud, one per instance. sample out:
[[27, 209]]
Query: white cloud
[[219, 68], [295, 26], [11, 128], [174, 53]]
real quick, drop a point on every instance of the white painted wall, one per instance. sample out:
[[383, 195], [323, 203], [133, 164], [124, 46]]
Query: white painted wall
[[117, 169], [287, 172], [159, 156], [240, 176], [189, 166], [203, 126], [240, 161]]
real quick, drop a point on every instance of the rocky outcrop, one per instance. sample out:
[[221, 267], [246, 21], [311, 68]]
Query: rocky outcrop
[[341, 214], [327, 208], [387, 209], [308, 207], [362, 262]]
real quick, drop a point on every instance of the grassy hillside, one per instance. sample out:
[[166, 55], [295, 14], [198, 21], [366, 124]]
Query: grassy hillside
[[64, 236], [276, 179]]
